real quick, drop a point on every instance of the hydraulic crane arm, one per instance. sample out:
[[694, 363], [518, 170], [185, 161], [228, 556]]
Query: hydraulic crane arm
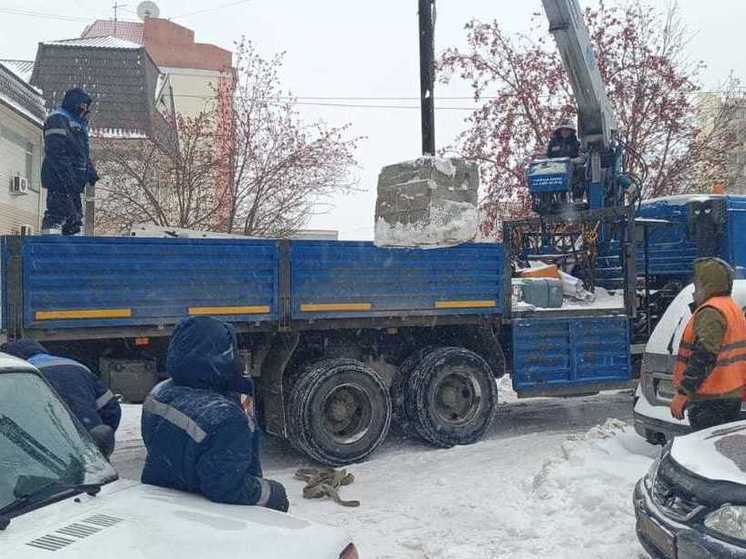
[[596, 121]]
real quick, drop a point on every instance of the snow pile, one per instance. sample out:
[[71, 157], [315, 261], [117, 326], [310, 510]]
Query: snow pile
[[441, 164], [506, 394], [495, 499], [450, 223], [583, 496]]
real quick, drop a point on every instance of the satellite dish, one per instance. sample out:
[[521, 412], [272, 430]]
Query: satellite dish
[[147, 9]]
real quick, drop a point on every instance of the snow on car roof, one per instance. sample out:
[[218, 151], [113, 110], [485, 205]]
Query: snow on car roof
[[667, 333], [718, 453], [9, 362]]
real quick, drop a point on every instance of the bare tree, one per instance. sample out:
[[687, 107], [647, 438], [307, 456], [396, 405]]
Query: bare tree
[[280, 167], [164, 183]]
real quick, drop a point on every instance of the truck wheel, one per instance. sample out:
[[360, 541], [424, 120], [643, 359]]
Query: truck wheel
[[339, 412], [399, 389], [451, 397]]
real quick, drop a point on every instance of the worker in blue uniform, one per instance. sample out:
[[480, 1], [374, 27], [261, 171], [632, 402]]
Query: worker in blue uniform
[[88, 399], [67, 165], [197, 435]]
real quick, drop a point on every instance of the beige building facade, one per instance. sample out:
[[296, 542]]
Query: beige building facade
[[21, 149]]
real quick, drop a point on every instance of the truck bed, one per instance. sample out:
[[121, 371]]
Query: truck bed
[[56, 286]]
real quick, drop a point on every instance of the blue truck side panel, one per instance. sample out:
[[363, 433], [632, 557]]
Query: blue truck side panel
[[395, 282], [158, 279], [672, 251], [551, 353], [735, 237]]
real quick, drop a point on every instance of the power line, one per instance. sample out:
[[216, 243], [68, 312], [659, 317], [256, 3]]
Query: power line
[[42, 15], [189, 14], [340, 105]]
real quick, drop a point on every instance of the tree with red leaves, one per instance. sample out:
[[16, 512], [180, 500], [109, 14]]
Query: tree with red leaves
[[652, 86]]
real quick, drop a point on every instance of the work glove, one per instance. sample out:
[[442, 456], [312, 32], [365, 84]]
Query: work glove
[[278, 499], [678, 405]]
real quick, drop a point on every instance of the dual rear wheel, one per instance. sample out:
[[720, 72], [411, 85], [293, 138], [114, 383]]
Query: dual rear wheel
[[340, 410]]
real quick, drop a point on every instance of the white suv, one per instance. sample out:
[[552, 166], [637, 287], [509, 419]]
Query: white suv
[[59, 494]]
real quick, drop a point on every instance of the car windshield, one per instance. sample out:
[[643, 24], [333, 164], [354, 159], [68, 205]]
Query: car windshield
[[41, 445]]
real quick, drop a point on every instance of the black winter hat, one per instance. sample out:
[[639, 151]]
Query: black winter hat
[[74, 98], [24, 348]]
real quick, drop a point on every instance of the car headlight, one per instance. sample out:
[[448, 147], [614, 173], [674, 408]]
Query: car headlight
[[728, 520], [350, 552]]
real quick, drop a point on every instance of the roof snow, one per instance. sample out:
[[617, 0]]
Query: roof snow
[[97, 42], [20, 96], [21, 68], [118, 134]]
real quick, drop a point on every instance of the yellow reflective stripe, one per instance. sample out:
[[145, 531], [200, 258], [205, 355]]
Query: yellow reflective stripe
[[206, 311], [84, 313], [330, 307], [465, 304]]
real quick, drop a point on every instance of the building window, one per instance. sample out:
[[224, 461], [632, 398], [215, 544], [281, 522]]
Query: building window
[[30, 175]]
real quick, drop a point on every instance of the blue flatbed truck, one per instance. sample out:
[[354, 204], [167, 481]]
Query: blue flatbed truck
[[340, 336]]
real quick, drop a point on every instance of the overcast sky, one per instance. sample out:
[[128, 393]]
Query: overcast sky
[[357, 49]]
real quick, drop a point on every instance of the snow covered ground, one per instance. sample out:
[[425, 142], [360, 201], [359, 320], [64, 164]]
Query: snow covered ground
[[552, 479]]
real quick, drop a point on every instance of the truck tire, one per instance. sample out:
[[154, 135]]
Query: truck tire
[[399, 389], [339, 412], [451, 397]]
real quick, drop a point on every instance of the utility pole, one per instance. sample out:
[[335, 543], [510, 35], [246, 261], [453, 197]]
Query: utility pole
[[116, 7], [427, 74]]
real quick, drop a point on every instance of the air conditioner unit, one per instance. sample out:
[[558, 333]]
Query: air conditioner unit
[[26, 230], [19, 185]]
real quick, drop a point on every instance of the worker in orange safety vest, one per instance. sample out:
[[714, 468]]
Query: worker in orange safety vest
[[710, 372]]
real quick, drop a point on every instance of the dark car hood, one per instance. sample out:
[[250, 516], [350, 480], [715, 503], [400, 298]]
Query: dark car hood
[[709, 465]]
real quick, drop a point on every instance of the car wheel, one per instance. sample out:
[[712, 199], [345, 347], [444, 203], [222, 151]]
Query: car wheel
[[339, 412], [451, 397]]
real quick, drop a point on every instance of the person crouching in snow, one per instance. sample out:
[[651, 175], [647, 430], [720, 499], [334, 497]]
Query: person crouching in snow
[[710, 372], [197, 436]]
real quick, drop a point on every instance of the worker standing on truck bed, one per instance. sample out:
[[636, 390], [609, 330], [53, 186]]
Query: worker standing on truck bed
[[89, 400], [197, 435], [710, 371], [67, 166]]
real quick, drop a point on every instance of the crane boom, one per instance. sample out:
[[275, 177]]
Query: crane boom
[[596, 121]]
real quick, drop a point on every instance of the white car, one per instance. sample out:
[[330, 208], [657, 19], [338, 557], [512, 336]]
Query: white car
[[59, 494], [652, 415]]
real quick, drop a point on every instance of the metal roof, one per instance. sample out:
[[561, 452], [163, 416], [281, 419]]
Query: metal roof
[[19, 95], [96, 42], [127, 30], [21, 68]]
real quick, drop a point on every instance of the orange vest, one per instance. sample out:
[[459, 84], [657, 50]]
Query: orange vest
[[729, 373]]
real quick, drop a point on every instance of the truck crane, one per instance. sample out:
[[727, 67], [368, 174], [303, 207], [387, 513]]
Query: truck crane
[[603, 182]]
